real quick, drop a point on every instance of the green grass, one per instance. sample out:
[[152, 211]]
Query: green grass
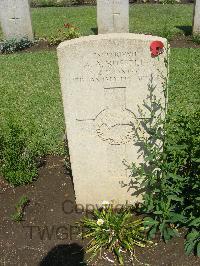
[[161, 20], [47, 21], [154, 19], [30, 93], [184, 89]]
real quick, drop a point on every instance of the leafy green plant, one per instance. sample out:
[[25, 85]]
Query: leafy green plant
[[184, 152], [155, 174], [192, 243], [114, 231], [17, 162], [48, 3], [168, 1], [18, 215], [67, 33], [14, 45], [196, 38], [163, 220], [170, 172]]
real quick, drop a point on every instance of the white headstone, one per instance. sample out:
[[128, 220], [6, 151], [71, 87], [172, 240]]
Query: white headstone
[[15, 19], [104, 78], [113, 16], [196, 19]]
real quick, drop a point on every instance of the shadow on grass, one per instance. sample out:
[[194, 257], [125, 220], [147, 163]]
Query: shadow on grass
[[187, 30], [64, 255]]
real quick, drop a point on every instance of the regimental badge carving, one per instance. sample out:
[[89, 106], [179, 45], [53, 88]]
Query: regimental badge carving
[[114, 126]]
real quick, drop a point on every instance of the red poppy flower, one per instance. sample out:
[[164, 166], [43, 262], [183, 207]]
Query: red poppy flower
[[156, 48]]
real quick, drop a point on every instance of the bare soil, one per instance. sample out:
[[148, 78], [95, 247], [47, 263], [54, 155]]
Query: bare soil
[[183, 42], [48, 234]]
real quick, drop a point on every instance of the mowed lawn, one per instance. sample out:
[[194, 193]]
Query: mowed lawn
[[30, 93], [157, 19]]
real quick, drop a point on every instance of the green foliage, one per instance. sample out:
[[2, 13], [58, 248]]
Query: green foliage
[[196, 38], [171, 170], [155, 175], [14, 45], [163, 220], [192, 243], [168, 1], [183, 152], [48, 3], [17, 162], [115, 231], [18, 215], [68, 32]]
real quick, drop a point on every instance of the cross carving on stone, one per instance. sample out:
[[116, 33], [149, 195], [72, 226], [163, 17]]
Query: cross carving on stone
[[14, 18], [116, 13]]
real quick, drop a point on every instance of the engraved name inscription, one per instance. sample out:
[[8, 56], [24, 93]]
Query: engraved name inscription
[[111, 66]]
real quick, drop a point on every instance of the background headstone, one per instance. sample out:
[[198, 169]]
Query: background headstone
[[196, 19], [104, 78], [15, 19], [113, 16]]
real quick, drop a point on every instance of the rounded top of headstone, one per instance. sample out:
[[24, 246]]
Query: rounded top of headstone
[[112, 36]]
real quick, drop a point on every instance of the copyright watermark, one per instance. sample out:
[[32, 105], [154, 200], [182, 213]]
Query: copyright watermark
[[54, 232], [69, 207]]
